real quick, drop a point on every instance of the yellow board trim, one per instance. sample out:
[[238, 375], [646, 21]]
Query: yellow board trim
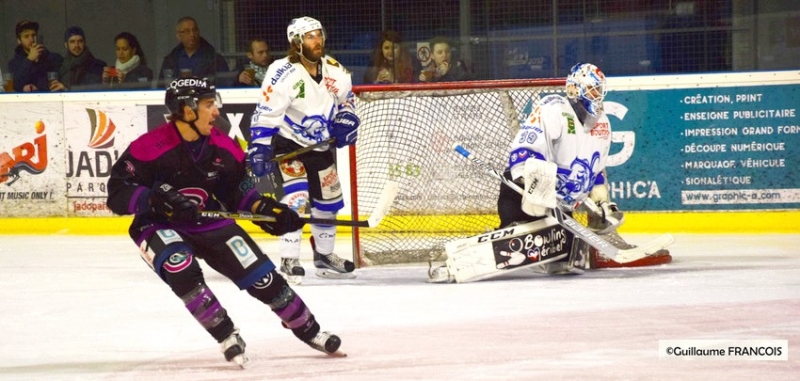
[[679, 222]]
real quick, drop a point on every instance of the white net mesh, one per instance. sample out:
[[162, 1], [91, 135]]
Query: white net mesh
[[407, 135]]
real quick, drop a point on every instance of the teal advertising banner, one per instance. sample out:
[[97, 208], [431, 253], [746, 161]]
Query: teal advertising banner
[[724, 148]]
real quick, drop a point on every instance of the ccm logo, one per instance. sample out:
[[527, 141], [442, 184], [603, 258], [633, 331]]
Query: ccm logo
[[495, 235]]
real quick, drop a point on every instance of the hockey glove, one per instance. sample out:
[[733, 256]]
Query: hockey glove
[[286, 219], [168, 201], [261, 159], [604, 216], [345, 128]]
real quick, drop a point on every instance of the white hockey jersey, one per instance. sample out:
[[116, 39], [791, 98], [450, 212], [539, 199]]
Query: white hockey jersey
[[552, 132], [295, 106]]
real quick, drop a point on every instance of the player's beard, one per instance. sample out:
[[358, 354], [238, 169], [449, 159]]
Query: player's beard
[[313, 54]]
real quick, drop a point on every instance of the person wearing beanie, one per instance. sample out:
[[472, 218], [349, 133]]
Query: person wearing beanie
[[80, 68], [32, 61]]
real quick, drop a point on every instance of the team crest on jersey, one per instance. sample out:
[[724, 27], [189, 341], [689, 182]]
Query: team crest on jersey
[[293, 168], [601, 130]]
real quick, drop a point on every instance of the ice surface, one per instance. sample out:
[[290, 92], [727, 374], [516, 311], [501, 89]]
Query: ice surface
[[88, 308]]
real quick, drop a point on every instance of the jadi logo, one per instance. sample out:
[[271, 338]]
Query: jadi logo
[[102, 129]]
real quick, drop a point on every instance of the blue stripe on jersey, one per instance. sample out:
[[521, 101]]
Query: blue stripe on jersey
[[299, 186], [262, 132]]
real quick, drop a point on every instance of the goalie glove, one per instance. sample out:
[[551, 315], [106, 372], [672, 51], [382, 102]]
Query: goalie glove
[[539, 193], [286, 219], [604, 217], [345, 128]]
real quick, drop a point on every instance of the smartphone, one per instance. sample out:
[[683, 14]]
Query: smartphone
[[40, 39]]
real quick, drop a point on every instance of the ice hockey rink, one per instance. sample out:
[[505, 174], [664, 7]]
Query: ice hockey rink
[[87, 308]]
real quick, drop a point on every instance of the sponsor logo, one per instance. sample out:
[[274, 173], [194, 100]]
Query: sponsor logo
[[495, 235], [302, 92], [30, 157], [102, 129], [281, 70], [330, 84], [570, 123], [266, 93], [197, 195], [188, 82], [329, 179], [601, 130]]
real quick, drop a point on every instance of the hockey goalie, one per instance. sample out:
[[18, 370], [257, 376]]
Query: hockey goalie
[[556, 160]]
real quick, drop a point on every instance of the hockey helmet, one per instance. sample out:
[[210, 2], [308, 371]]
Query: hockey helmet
[[188, 92], [302, 25], [587, 84]]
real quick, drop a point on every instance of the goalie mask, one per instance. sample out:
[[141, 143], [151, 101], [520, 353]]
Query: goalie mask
[[302, 25], [188, 92], [587, 84]]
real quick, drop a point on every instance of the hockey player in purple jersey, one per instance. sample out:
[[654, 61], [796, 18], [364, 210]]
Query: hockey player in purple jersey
[[185, 165]]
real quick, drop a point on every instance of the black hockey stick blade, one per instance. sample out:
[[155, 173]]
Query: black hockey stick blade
[[260, 217], [303, 150]]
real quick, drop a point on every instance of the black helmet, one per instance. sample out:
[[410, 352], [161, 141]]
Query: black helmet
[[189, 91]]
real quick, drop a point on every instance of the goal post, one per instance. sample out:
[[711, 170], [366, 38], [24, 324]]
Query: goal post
[[406, 135]]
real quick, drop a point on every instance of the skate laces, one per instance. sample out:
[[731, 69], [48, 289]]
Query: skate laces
[[334, 260]]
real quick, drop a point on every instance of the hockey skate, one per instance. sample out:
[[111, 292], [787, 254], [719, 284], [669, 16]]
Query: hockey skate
[[233, 349], [439, 274], [327, 343], [331, 265], [292, 270]]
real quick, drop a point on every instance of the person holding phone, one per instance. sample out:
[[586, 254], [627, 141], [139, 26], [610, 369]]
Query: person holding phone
[[32, 61]]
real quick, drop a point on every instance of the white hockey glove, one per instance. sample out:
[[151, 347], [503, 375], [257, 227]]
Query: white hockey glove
[[539, 193], [606, 215]]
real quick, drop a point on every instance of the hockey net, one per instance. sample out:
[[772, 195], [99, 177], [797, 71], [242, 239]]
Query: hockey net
[[406, 135]]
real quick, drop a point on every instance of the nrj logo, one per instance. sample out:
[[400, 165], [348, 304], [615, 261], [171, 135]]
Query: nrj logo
[[102, 129], [29, 157]]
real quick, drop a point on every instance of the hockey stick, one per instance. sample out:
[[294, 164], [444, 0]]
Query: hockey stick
[[605, 248], [303, 150], [382, 207]]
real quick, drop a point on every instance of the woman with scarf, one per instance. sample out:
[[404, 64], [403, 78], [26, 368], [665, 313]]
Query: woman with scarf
[[131, 66]]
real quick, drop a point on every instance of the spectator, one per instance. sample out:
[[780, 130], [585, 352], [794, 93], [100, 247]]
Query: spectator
[[194, 56], [391, 63], [252, 73], [80, 67], [442, 68], [131, 66], [32, 61]]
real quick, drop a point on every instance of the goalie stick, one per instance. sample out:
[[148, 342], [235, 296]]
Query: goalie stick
[[605, 248], [382, 207]]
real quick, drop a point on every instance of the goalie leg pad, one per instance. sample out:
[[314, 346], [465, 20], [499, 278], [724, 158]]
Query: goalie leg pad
[[509, 249]]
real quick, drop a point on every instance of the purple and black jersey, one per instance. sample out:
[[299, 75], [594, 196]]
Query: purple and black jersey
[[209, 171]]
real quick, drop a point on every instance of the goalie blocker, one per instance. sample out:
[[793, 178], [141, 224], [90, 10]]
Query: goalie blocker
[[543, 242]]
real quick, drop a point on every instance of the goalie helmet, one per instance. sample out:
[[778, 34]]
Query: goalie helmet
[[587, 84], [302, 25], [188, 92]]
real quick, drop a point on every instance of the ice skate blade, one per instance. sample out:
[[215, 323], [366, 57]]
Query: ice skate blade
[[241, 360], [294, 280], [330, 274]]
